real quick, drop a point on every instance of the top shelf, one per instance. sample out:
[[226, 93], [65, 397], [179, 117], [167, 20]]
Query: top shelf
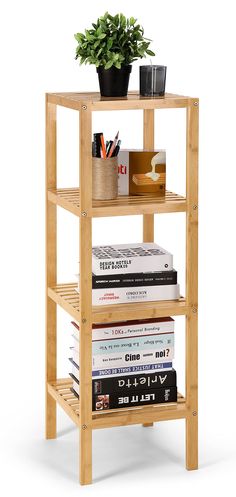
[[131, 102]]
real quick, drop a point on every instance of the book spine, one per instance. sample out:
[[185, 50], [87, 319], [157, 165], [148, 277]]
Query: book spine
[[149, 356], [135, 294], [132, 264], [122, 345], [120, 330], [125, 384], [116, 400], [127, 370], [135, 279]]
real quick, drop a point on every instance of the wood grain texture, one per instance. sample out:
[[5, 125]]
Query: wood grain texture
[[51, 268], [192, 286], [148, 144], [124, 205], [60, 390], [133, 101], [69, 299], [85, 236]]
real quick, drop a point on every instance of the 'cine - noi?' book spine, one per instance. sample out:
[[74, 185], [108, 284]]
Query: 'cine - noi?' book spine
[[116, 400], [134, 279], [150, 356], [122, 345], [126, 370], [130, 382], [132, 258], [133, 328], [135, 294]]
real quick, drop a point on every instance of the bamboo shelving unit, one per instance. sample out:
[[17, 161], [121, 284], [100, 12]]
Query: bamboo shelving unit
[[79, 202]]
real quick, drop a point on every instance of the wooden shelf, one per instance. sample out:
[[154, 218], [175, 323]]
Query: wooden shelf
[[60, 390], [133, 101], [67, 297], [69, 199]]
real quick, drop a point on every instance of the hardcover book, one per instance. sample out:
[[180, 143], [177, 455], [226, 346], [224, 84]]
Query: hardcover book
[[126, 370], [134, 279], [149, 356], [130, 382], [127, 295], [142, 172], [117, 400], [127, 329], [130, 258], [123, 344]]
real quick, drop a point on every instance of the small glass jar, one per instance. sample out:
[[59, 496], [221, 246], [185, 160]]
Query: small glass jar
[[152, 80]]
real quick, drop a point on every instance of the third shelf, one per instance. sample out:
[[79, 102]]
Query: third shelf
[[124, 205]]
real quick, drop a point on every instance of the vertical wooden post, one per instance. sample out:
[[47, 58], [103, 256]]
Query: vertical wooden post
[[51, 267], [192, 285], [85, 353], [148, 144]]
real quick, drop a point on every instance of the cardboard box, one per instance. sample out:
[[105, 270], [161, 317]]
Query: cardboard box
[[142, 172]]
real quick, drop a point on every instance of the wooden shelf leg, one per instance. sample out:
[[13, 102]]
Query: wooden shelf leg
[[192, 286], [51, 269], [148, 219], [85, 357]]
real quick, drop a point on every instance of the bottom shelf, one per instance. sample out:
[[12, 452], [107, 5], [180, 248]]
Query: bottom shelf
[[60, 390]]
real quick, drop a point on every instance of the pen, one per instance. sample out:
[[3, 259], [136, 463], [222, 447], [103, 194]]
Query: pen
[[113, 145]]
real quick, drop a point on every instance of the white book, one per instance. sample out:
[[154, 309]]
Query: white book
[[130, 258], [127, 295], [129, 328], [118, 360], [122, 345]]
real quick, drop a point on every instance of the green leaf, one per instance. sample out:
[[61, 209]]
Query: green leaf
[[102, 36], [132, 21], [109, 64], [149, 52], [79, 37]]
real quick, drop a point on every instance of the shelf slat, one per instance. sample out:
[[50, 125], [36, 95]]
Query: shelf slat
[[67, 297], [124, 205], [60, 390]]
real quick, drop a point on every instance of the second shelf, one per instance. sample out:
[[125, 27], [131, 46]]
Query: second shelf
[[67, 297]]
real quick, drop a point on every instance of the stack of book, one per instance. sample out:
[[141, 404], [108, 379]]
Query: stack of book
[[132, 273], [131, 363]]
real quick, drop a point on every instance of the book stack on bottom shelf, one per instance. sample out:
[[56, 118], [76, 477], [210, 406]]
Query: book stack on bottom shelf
[[131, 363]]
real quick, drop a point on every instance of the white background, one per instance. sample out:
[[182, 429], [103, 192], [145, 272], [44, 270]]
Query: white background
[[196, 40]]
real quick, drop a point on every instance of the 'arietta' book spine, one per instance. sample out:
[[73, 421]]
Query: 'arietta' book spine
[[125, 384]]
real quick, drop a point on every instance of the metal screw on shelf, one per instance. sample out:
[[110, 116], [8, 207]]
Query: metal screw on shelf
[[84, 427], [195, 103], [194, 413], [194, 309], [84, 320], [195, 207], [84, 107], [84, 214]]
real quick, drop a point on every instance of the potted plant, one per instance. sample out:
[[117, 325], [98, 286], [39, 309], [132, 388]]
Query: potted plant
[[112, 44]]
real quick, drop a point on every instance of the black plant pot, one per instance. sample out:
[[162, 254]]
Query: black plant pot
[[114, 82]]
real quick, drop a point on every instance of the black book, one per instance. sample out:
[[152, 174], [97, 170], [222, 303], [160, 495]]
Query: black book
[[134, 279], [135, 382], [133, 399]]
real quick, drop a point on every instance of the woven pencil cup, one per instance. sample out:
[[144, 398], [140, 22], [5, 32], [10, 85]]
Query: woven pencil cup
[[105, 178]]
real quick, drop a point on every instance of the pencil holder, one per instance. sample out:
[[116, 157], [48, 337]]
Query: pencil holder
[[105, 178]]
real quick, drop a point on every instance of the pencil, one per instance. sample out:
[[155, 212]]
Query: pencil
[[104, 155], [113, 145]]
